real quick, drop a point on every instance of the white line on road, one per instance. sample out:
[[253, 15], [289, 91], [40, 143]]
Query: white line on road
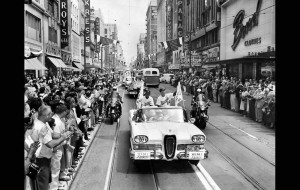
[[208, 177], [244, 132], [202, 178]]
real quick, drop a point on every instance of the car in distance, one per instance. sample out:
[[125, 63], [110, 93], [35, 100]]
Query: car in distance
[[166, 77], [165, 133]]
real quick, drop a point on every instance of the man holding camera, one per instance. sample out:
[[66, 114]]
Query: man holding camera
[[43, 133]]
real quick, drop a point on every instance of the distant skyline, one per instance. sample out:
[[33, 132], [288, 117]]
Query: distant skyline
[[130, 21]]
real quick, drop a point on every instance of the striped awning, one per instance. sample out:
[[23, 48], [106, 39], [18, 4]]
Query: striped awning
[[57, 62], [78, 65]]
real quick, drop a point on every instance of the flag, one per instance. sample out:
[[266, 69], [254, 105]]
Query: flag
[[174, 44], [164, 44], [140, 96], [116, 42], [105, 41], [178, 96]]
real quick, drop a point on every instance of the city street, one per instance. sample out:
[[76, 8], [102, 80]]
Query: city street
[[241, 156]]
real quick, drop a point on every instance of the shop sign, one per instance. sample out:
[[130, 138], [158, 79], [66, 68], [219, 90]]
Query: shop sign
[[169, 20], [66, 58], [52, 49], [97, 26], [212, 54], [87, 10], [241, 30], [253, 41], [64, 20], [179, 18]]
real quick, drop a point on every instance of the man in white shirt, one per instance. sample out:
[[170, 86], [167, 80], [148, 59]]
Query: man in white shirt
[[146, 100], [59, 128], [43, 133], [164, 99]]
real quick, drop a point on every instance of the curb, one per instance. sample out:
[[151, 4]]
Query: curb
[[67, 184]]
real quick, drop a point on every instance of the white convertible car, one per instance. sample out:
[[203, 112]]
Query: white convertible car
[[164, 133]]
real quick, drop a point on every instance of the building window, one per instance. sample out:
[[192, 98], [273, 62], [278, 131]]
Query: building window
[[52, 35], [53, 9], [105, 31], [33, 27]]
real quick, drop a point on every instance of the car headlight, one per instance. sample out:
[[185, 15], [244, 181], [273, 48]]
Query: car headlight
[[198, 138], [141, 139]]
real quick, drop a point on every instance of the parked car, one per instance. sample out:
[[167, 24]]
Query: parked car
[[165, 133], [166, 77]]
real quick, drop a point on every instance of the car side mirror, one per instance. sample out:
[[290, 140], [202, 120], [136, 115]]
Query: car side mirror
[[192, 120]]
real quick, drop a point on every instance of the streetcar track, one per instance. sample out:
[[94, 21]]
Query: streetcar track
[[154, 176], [255, 183], [271, 163]]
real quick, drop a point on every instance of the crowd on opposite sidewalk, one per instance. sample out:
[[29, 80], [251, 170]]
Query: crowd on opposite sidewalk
[[252, 98], [59, 113]]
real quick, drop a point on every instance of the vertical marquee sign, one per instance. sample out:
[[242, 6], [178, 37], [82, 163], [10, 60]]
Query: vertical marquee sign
[[87, 10], [64, 21], [179, 16], [97, 32], [169, 20]]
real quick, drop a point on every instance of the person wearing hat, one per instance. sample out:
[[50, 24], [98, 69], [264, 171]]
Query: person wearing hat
[[114, 94], [164, 99], [146, 100]]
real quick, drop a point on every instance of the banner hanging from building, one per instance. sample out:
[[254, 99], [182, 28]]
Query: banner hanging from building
[[64, 36], [87, 9], [169, 19], [179, 18]]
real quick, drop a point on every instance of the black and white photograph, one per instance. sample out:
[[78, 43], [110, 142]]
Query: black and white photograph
[[149, 95]]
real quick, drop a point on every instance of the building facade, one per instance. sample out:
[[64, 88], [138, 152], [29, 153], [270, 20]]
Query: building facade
[[248, 38], [201, 29], [161, 32], [151, 40], [75, 35]]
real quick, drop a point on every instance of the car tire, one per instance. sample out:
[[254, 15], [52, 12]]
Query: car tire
[[194, 162]]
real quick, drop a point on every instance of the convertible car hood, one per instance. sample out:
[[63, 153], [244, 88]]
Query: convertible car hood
[[157, 130]]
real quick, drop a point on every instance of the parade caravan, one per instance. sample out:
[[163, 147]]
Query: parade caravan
[[151, 77]]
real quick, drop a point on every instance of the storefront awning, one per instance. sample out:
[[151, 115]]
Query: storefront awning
[[74, 69], [34, 64], [57, 62], [28, 65], [78, 65]]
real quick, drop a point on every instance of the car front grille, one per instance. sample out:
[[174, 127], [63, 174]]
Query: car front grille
[[146, 146], [170, 145]]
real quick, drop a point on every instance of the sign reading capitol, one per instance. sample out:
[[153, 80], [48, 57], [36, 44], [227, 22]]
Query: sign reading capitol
[[240, 29]]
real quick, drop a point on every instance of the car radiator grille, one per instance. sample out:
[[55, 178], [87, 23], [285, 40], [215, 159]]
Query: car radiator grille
[[170, 145]]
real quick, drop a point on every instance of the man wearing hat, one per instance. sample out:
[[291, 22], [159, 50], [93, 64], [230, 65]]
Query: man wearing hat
[[164, 99]]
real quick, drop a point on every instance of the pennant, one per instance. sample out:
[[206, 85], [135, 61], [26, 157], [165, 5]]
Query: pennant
[[178, 96], [164, 44]]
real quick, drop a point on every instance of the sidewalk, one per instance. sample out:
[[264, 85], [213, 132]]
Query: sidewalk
[[227, 119]]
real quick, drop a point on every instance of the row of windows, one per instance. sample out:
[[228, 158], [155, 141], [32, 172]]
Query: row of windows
[[32, 27], [75, 25], [53, 9], [75, 11], [211, 37]]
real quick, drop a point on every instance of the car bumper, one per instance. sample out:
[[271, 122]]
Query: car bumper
[[159, 155]]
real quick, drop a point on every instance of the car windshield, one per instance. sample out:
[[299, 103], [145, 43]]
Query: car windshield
[[165, 114]]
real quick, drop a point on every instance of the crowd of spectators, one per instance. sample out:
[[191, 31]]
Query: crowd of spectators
[[59, 113], [249, 97]]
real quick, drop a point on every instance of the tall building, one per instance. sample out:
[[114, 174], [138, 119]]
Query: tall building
[[249, 53], [202, 33], [75, 34], [151, 41], [110, 31], [34, 36], [161, 32]]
